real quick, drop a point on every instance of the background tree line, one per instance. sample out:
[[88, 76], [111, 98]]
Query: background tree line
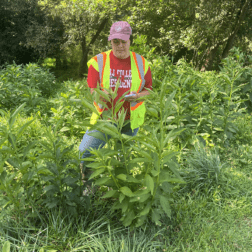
[[70, 31]]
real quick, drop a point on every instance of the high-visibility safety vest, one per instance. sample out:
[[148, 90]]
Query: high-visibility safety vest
[[139, 67]]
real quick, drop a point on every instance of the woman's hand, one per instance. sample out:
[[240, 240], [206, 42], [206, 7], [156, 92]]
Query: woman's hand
[[133, 97]]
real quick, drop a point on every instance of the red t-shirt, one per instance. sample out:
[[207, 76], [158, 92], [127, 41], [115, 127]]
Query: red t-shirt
[[118, 68]]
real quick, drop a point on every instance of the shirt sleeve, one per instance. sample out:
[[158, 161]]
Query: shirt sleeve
[[148, 80], [93, 77]]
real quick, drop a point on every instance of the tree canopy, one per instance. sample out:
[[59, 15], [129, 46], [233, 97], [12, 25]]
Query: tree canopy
[[201, 31]]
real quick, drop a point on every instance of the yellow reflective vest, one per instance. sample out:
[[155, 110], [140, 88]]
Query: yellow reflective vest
[[139, 67]]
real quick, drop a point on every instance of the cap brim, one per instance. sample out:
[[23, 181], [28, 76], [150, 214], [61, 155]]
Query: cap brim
[[119, 36]]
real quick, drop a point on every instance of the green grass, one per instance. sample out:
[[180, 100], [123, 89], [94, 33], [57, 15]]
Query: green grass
[[218, 221]]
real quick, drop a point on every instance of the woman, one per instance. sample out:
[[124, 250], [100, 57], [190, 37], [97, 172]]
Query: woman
[[134, 74]]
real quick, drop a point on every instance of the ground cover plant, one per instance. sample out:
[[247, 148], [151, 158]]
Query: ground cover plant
[[183, 186]]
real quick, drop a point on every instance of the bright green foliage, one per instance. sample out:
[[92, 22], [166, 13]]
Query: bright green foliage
[[41, 193], [6, 247], [38, 171], [29, 83], [206, 103], [141, 175]]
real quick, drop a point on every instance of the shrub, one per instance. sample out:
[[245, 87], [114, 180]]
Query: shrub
[[25, 83], [141, 174]]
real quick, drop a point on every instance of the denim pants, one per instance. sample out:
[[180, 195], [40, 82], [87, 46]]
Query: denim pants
[[92, 142]]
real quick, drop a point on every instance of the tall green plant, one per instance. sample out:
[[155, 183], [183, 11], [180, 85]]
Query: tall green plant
[[62, 181], [14, 163], [141, 170], [38, 173]]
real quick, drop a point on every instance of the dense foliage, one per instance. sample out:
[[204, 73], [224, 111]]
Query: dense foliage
[[191, 120], [25, 83], [71, 31], [15, 18]]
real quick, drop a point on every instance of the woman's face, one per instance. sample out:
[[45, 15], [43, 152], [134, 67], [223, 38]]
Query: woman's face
[[120, 48]]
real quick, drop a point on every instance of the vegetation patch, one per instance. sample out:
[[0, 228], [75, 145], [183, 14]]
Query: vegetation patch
[[182, 184]]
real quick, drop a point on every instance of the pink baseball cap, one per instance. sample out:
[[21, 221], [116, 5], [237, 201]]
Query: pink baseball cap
[[120, 30]]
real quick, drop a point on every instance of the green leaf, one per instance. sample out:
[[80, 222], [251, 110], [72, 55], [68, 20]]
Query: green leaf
[[111, 127], [132, 179], [153, 112], [23, 128], [142, 152], [149, 183], [140, 221], [165, 205], [102, 94], [12, 140], [110, 194], [126, 191], [167, 155], [129, 218], [173, 167], [141, 198], [64, 129], [139, 160], [95, 165], [6, 247], [29, 147], [52, 188], [118, 83], [141, 192], [108, 131], [118, 106], [121, 118], [97, 173], [173, 180], [13, 116], [226, 77], [218, 129], [69, 180], [168, 188], [88, 105], [146, 210], [154, 173], [149, 146], [169, 100], [125, 205], [121, 197], [110, 183], [166, 177], [122, 177], [102, 181], [155, 217], [98, 135], [171, 135]]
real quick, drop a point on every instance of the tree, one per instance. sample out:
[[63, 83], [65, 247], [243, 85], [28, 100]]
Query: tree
[[15, 18], [47, 38], [202, 31], [83, 22]]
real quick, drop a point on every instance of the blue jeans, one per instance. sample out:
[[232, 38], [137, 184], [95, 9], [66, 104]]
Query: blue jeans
[[92, 142]]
